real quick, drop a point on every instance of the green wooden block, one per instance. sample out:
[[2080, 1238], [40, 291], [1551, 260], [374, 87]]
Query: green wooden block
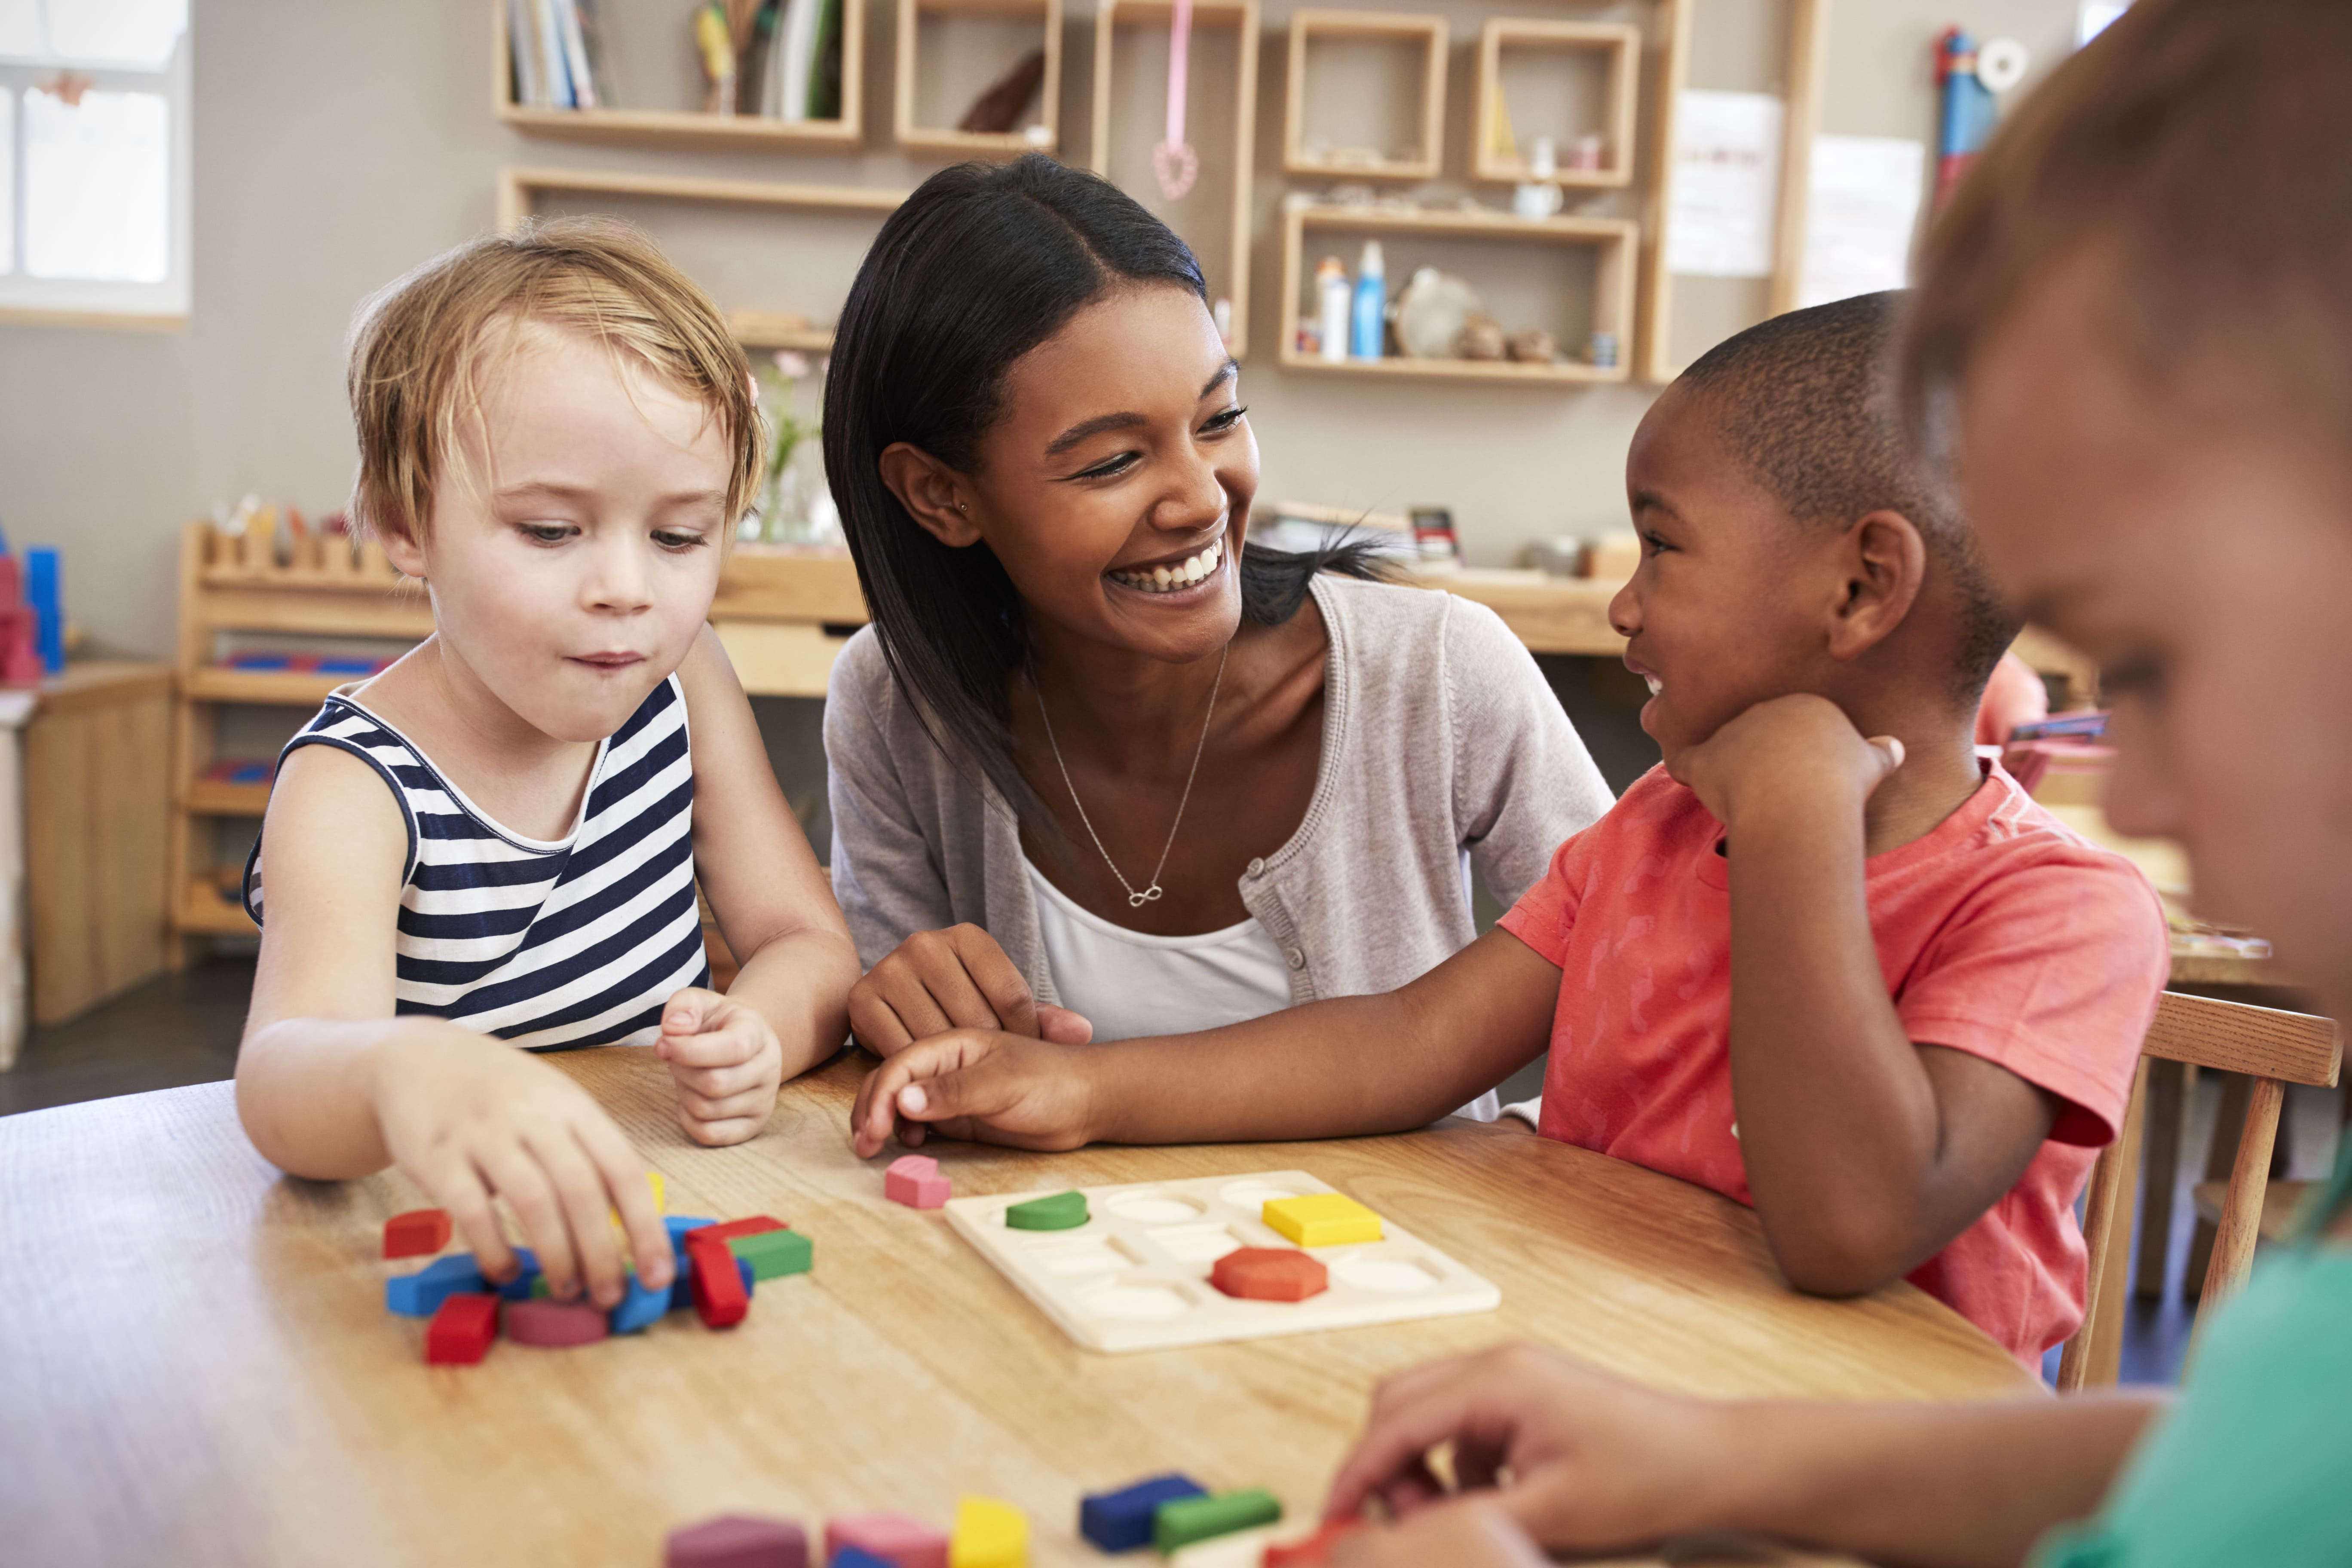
[[1063, 1211], [540, 1289], [773, 1254], [1181, 1521]]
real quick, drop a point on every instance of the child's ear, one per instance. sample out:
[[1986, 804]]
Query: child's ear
[[1885, 563], [932, 493], [400, 543]]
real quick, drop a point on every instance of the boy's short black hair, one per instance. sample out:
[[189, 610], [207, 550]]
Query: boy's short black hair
[[1808, 401]]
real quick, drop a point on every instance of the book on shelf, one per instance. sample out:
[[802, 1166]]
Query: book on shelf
[[802, 76], [558, 55]]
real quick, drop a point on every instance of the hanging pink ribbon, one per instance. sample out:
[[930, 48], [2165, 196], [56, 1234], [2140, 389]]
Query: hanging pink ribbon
[[1173, 161]]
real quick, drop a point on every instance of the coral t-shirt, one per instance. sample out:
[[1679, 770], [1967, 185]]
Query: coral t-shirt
[[2001, 933]]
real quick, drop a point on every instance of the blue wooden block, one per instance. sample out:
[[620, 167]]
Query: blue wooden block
[[420, 1295], [1121, 1521], [519, 1288], [678, 1226], [852, 1557], [639, 1307]]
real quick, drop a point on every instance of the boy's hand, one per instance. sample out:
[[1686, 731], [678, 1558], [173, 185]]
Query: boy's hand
[[467, 1119], [1596, 1463], [953, 979], [1460, 1534], [980, 1084], [1801, 749], [726, 1061]]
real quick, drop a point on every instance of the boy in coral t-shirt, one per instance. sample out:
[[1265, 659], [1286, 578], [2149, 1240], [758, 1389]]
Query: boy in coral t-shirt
[[1862, 983]]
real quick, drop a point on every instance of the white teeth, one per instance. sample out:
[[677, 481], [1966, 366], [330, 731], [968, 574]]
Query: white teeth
[[1183, 575], [1654, 683]]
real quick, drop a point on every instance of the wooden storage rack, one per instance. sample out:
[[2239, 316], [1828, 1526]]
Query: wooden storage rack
[[333, 590], [957, 143], [1620, 42], [681, 128], [1615, 238], [1308, 24]]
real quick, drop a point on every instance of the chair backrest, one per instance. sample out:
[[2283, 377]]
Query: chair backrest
[[2274, 1048]]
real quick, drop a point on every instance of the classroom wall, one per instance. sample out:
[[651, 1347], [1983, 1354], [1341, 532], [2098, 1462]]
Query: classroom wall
[[338, 144]]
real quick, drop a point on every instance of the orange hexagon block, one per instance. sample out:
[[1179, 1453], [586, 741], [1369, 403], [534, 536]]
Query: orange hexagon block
[[1270, 1274]]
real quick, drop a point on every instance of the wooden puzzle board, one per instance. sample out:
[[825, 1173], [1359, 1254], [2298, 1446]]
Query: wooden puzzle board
[[1135, 1277]]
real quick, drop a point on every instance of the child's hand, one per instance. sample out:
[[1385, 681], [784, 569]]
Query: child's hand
[[1596, 1463], [726, 1063], [469, 1119], [1474, 1534], [980, 1084], [1800, 748], [953, 979]]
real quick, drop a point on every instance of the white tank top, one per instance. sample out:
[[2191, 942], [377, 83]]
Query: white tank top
[[1129, 984]]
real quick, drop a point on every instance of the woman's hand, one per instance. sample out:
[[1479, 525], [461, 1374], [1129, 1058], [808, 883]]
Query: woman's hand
[[469, 1119], [952, 979], [726, 1061], [1596, 1463], [984, 1084], [1469, 1534]]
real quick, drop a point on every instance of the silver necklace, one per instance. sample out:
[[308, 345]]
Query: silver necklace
[[1134, 900]]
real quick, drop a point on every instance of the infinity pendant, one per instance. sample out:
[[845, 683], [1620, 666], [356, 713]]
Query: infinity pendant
[[1137, 900]]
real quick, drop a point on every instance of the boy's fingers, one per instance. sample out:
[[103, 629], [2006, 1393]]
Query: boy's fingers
[[1890, 751], [1401, 1430], [517, 1177], [688, 1008], [718, 1083], [631, 1195], [579, 1188], [459, 1190], [719, 1108], [718, 1134], [1062, 1027], [722, 1043]]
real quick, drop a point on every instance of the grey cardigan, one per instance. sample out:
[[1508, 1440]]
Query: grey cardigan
[[1441, 739]]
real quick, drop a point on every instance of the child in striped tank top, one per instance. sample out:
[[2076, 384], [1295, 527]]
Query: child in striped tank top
[[497, 842]]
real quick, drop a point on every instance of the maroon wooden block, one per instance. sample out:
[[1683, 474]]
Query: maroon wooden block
[[736, 1541], [461, 1331], [732, 1228], [555, 1324], [719, 1299], [416, 1234], [1270, 1274]]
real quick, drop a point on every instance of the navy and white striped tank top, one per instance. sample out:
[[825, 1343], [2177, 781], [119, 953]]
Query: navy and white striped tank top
[[548, 945]]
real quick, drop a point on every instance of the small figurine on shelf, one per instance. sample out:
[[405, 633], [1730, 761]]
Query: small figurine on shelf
[[715, 42], [20, 658]]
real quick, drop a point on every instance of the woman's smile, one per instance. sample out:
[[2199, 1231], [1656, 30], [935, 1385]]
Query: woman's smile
[[1181, 579]]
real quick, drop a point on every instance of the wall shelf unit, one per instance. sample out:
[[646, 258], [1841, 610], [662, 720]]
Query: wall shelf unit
[[227, 587], [1376, 26], [1243, 16], [1620, 47], [680, 128], [1613, 241], [1044, 137]]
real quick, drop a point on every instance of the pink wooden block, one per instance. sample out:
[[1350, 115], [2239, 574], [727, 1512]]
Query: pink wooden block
[[914, 1180], [554, 1323], [895, 1537], [736, 1541]]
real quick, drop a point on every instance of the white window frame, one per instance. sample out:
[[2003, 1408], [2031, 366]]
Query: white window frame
[[89, 302]]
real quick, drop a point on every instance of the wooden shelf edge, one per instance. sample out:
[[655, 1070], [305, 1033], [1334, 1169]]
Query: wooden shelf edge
[[983, 143], [1313, 168], [1506, 372], [682, 128], [202, 912], [211, 797], [212, 684], [1500, 225]]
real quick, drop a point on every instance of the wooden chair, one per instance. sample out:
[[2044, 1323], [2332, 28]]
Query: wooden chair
[[2271, 1048]]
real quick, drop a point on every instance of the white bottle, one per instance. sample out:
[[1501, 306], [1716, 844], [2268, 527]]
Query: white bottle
[[1538, 197], [1331, 308]]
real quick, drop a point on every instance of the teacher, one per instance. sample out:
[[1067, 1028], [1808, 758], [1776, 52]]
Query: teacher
[[1099, 767]]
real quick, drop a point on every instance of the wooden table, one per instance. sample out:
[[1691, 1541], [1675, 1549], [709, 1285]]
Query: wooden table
[[196, 1367]]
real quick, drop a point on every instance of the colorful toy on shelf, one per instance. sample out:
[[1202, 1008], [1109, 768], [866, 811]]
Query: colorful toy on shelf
[[1968, 78], [20, 629]]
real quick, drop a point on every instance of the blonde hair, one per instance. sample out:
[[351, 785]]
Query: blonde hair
[[421, 348]]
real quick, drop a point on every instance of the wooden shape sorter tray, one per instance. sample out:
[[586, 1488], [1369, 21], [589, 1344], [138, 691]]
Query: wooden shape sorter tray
[[1135, 1277]]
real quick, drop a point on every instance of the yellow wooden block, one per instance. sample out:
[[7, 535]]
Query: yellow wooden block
[[661, 1195], [1322, 1219], [988, 1534]]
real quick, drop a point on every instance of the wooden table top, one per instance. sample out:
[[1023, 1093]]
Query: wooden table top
[[196, 1363]]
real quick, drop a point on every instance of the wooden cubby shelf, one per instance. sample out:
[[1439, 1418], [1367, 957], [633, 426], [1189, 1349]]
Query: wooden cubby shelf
[[1241, 15], [680, 128], [914, 138], [1429, 32], [1620, 43], [1615, 239]]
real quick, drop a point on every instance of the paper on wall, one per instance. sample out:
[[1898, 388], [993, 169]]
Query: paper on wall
[[1726, 186], [1860, 211]]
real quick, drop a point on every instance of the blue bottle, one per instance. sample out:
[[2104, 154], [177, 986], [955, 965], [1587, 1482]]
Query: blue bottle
[[1368, 326], [44, 594]]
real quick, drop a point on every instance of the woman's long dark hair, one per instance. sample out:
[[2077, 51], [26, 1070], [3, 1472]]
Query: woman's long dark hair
[[981, 265]]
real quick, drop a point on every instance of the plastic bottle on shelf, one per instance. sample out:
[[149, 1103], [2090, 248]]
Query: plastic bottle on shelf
[[1369, 325], [1331, 308]]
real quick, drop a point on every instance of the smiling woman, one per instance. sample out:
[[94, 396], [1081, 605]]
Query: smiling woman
[[1101, 767]]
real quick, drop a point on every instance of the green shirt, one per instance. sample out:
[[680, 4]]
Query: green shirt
[[2254, 1464]]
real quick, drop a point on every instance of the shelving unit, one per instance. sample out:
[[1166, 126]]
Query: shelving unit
[[957, 143], [1615, 239], [1621, 45], [678, 128], [1243, 16], [332, 590], [1429, 32]]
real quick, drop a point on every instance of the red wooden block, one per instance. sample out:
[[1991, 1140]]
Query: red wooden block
[[1312, 1552], [732, 1228], [416, 1232], [461, 1331], [1270, 1274], [736, 1541], [893, 1537], [555, 1324], [914, 1180], [718, 1296]]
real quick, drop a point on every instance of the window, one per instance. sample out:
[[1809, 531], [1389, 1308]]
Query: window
[[94, 163]]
